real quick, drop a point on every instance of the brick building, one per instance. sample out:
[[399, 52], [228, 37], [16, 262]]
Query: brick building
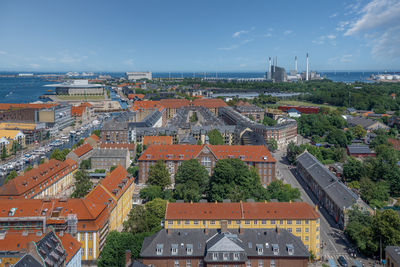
[[301, 109], [207, 155], [251, 111]]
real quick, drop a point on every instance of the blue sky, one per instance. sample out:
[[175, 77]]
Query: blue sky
[[206, 35]]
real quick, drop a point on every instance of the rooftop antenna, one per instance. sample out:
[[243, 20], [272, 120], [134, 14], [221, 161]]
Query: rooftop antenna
[[307, 68]]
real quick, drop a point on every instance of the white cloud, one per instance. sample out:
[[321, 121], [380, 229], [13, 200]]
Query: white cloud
[[379, 18], [287, 32], [323, 38], [346, 58], [268, 35], [342, 26], [331, 36], [33, 65], [237, 34], [235, 46], [333, 15], [3, 52]]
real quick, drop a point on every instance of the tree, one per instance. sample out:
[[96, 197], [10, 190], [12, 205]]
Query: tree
[[282, 192], [232, 179], [113, 253], [59, 155], [28, 168], [269, 121], [113, 168], [337, 137], [82, 184], [146, 218], [151, 192], [215, 137], [159, 175], [191, 180], [386, 227], [272, 144], [86, 164], [292, 152], [96, 132], [358, 132], [11, 176], [3, 153], [352, 170], [379, 191], [359, 230], [41, 161], [133, 170], [199, 142]]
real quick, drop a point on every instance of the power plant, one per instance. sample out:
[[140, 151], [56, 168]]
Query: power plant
[[278, 74]]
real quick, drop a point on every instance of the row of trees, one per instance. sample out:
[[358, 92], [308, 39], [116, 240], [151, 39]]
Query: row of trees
[[323, 154], [231, 179]]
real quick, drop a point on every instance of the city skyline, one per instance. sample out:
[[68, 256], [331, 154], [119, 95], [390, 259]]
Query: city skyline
[[185, 37]]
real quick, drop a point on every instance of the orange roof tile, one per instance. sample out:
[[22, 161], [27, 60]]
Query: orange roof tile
[[236, 211], [186, 152], [15, 241], [174, 103], [132, 96], [141, 105], [210, 103], [95, 138], [83, 149], [70, 244], [157, 140], [46, 173], [86, 104], [77, 111], [395, 143]]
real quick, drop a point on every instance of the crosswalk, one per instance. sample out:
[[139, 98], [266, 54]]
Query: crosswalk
[[335, 256]]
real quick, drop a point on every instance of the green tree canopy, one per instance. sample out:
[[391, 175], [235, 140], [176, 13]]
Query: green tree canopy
[[269, 121], [96, 132], [11, 176], [191, 180], [82, 184], [215, 137], [59, 155], [159, 175], [272, 144], [151, 192], [358, 132], [282, 192], [353, 170]]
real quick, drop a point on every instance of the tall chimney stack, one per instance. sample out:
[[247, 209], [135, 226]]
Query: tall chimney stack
[[269, 69], [307, 68], [295, 63]]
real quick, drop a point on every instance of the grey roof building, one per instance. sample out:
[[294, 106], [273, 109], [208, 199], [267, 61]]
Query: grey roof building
[[215, 246], [336, 197], [367, 124], [359, 150], [392, 256], [105, 158]]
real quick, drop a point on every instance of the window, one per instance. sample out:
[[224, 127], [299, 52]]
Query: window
[[82, 252], [196, 222], [90, 251], [225, 256], [317, 228], [178, 222], [307, 230], [159, 249], [289, 221], [90, 236], [215, 256], [306, 221], [317, 237], [200, 263], [298, 230], [82, 236], [259, 249], [237, 222], [248, 264], [176, 263], [206, 162], [212, 222], [272, 263], [289, 230], [236, 256], [255, 222], [298, 222], [260, 263], [306, 237], [272, 221], [170, 222], [247, 222], [188, 263], [187, 222], [281, 222], [263, 222], [189, 249]]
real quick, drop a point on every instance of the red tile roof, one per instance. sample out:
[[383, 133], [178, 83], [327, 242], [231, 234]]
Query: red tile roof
[[83, 149], [174, 103], [236, 211], [95, 138], [86, 104], [132, 96], [30, 181], [395, 143], [157, 140], [78, 111], [210, 103], [142, 105], [185, 152], [70, 244]]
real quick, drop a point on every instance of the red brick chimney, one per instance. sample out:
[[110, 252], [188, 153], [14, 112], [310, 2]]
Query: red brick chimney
[[206, 230], [278, 230], [224, 226]]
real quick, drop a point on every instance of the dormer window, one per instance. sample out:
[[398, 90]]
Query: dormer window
[[159, 249], [275, 249], [148, 156], [290, 249], [236, 256], [259, 249], [174, 249], [189, 249], [215, 256], [225, 256]]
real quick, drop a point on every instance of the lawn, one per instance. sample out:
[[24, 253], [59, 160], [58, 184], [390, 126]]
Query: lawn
[[303, 103]]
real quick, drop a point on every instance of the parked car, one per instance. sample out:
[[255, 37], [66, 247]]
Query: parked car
[[342, 261]]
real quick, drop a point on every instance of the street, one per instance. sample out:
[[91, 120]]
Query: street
[[334, 241]]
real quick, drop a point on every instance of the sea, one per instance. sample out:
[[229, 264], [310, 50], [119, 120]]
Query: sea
[[29, 89]]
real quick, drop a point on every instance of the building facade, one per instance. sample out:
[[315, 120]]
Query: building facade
[[105, 158], [208, 155], [298, 218], [139, 75]]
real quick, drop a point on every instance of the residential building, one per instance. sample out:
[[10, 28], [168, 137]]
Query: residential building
[[172, 105], [360, 151], [207, 155], [137, 75], [81, 113], [33, 132], [213, 104], [80, 153], [157, 140], [251, 111], [225, 247], [105, 158], [93, 140], [298, 218], [392, 256], [135, 97], [87, 219], [114, 132], [395, 143], [21, 112], [8, 138], [57, 116], [129, 146], [368, 124], [332, 194], [301, 109], [49, 179], [78, 87]]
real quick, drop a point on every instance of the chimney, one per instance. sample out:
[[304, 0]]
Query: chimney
[[206, 230], [224, 226], [278, 230], [240, 229], [316, 208], [269, 69], [128, 258], [295, 63], [307, 68]]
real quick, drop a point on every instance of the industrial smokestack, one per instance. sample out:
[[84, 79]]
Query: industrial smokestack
[[307, 68], [276, 62], [295, 63], [269, 69]]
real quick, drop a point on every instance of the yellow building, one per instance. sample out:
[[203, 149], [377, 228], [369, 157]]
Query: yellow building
[[298, 218], [9, 137]]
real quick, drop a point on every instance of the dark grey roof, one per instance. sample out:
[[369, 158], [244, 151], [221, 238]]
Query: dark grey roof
[[253, 139], [229, 242], [188, 139], [340, 194], [149, 121], [109, 153], [249, 108], [114, 125], [394, 252], [359, 149], [364, 122], [28, 261], [137, 264], [51, 250]]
